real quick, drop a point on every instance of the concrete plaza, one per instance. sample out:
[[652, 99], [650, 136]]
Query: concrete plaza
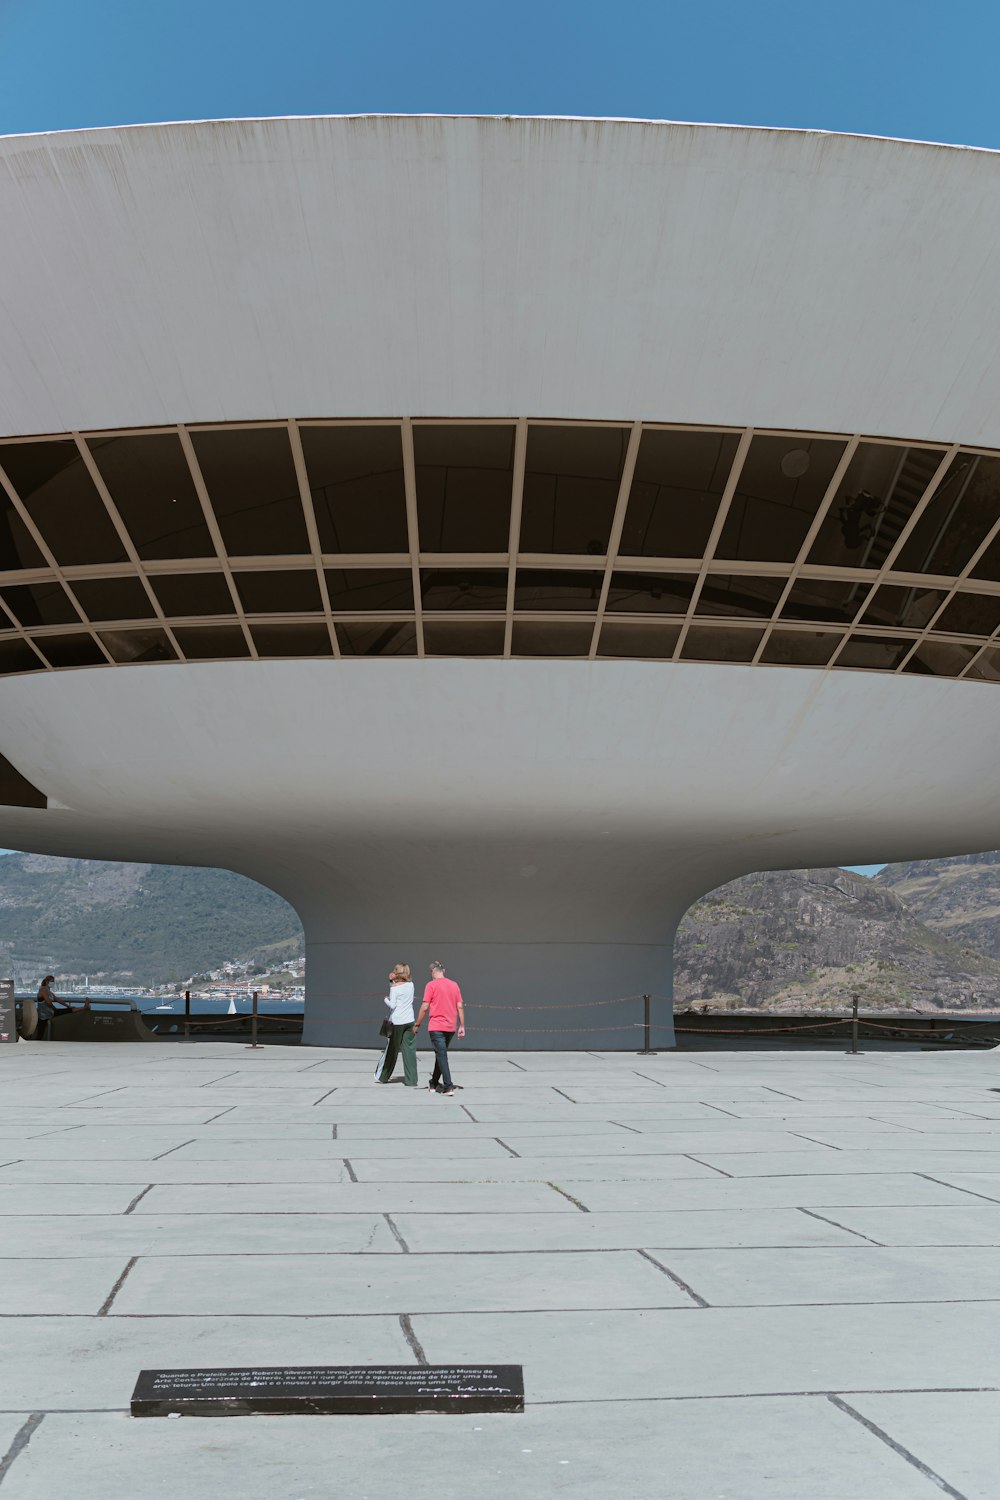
[[758, 1276]]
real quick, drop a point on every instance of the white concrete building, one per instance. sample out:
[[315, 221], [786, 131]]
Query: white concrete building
[[520, 521]]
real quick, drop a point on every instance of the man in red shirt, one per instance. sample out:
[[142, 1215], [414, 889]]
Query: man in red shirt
[[443, 999]]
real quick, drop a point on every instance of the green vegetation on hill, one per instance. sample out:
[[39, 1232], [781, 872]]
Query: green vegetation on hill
[[148, 924]]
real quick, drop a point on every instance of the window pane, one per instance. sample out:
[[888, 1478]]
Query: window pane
[[963, 509], [113, 599], [456, 589], [138, 645], [801, 648], [17, 547], [779, 491], [366, 589], [986, 668], [678, 483], [650, 641], [736, 595], [551, 638], [60, 497], [970, 614], [895, 604], [279, 593], [463, 637], [541, 589], [71, 651], [464, 480], [151, 484], [41, 604], [356, 480], [571, 488], [305, 639], [17, 656], [652, 593], [878, 654], [880, 491], [201, 642], [380, 638], [254, 492], [703, 643], [825, 600], [183, 594]]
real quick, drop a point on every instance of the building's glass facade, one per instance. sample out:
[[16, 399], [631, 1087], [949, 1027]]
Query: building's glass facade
[[499, 539]]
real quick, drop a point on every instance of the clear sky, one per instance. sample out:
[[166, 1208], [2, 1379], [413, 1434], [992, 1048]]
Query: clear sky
[[880, 67]]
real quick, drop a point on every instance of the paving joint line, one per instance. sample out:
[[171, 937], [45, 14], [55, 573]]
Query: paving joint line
[[410, 1336], [106, 1305], [825, 1219], [350, 1171], [898, 1448], [21, 1440], [507, 1148], [138, 1198], [396, 1234], [174, 1148], [677, 1280], [324, 1096], [984, 1197], [575, 1201]]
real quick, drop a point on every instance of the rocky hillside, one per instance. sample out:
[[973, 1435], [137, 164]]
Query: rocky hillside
[[924, 934], [958, 898], [815, 936], [121, 923]]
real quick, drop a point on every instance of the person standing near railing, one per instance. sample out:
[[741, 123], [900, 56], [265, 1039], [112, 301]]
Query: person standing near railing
[[400, 1003], [443, 1000]]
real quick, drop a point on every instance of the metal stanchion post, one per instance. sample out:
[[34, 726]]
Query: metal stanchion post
[[253, 1021], [854, 1025], [187, 1015], [645, 1050]]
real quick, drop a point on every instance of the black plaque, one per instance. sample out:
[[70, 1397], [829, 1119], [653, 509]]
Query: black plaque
[[353, 1390], [8, 1014]]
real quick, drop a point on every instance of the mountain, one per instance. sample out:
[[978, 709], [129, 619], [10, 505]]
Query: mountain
[[924, 934], [959, 898], [815, 936], [148, 924]]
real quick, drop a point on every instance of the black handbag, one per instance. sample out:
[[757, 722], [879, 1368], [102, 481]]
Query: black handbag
[[386, 1028]]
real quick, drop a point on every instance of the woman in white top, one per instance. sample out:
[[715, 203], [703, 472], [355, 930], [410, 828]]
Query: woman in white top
[[400, 1003]]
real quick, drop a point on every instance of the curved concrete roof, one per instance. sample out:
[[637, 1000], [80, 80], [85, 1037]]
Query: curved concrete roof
[[371, 266]]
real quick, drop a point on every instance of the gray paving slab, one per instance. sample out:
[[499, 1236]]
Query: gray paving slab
[[858, 1273], [28, 1198], [360, 1197], [784, 1163], [532, 1169], [92, 1363], [882, 1140], [764, 1192], [619, 1231], [956, 1434], [797, 1448], [42, 1237], [279, 1149], [957, 1224], [77, 1284], [174, 1169], [728, 1351], [672, 1141], [490, 1281]]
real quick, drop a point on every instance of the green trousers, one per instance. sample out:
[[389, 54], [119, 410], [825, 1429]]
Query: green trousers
[[401, 1041]]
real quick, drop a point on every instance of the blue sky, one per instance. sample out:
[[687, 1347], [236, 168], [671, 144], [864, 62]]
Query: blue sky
[[883, 67], [878, 67]]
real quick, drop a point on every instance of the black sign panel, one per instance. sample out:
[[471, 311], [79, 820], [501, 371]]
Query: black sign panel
[[328, 1389], [8, 1017]]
